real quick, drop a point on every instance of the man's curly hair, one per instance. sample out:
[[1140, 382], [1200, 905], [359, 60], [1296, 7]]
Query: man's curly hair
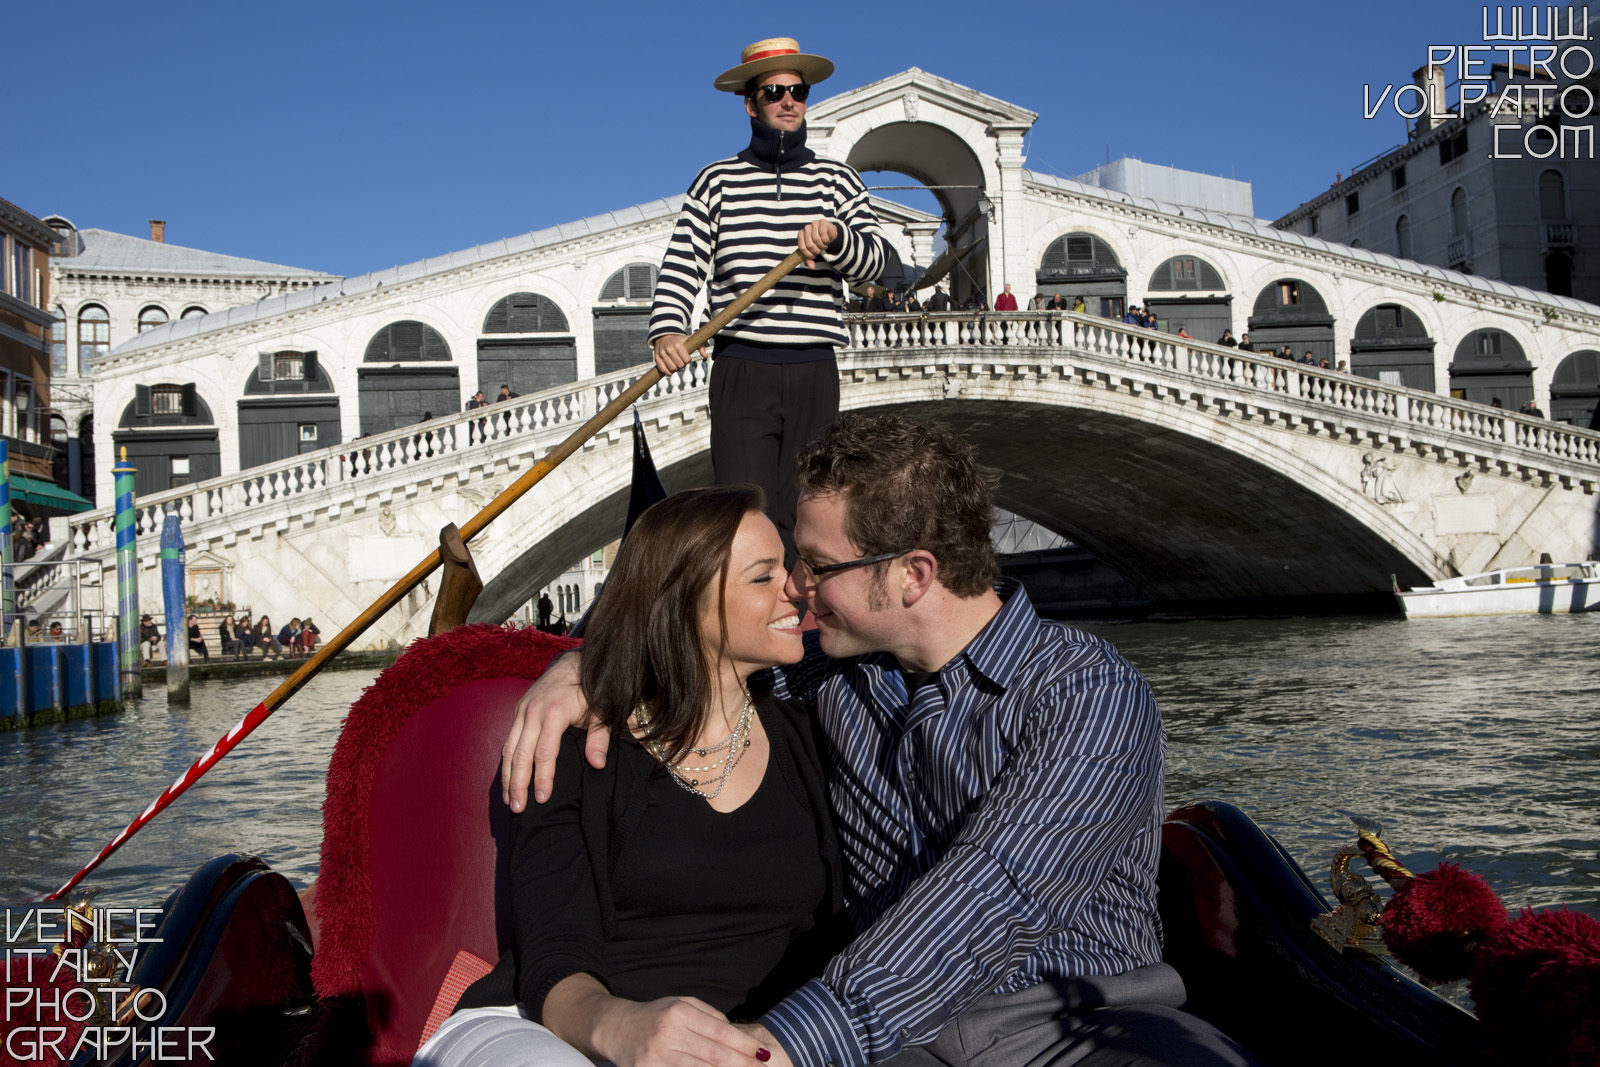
[[908, 485]]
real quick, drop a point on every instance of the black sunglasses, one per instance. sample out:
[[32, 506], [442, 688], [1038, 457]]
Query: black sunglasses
[[774, 92]]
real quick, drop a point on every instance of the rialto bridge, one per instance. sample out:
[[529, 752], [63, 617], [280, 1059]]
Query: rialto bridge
[[1201, 473]]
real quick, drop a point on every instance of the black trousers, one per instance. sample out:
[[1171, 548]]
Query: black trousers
[[761, 416]]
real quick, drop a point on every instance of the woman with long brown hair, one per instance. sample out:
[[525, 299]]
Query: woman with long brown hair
[[695, 879]]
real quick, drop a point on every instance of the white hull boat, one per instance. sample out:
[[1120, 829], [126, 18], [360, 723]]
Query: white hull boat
[[1546, 589]]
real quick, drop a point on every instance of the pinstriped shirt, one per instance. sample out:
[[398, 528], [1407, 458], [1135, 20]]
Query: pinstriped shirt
[[999, 830], [741, 216]]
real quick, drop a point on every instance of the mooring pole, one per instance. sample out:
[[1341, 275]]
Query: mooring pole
[[127, 527], [8, 600], [172, 566]]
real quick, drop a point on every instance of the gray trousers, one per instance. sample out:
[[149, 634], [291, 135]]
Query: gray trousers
[[1130, 1019]]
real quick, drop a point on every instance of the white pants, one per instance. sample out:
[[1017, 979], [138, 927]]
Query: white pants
[[496, 1037]]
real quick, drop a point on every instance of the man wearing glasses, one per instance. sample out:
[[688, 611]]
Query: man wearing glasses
[[996, 784], [774, 384]]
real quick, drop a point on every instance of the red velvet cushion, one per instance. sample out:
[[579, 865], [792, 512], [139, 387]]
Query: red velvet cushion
[[413, 863]]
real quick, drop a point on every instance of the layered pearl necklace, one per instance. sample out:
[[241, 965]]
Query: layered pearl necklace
[[688, 777]]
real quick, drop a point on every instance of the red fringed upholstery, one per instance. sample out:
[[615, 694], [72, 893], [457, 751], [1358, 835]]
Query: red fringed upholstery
[[1537, 988], [413, 828], [1437, 921]]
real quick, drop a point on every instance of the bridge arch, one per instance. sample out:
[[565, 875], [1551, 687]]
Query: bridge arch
[[287, 406], [941, 158], [1575, 390], [1391, 344], [941, 134], [622, 316], [1290, 310], [1102, 276], [407, 373], [1189, 509], [526, 341], [1490, 366], [170, 436], [1186, 289]]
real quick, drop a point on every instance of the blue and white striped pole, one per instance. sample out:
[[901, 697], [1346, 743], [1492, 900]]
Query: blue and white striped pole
[[172, 565], [127, 529], [8, 599]]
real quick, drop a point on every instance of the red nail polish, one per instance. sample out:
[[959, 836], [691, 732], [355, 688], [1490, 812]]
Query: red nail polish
[[763, 1055]]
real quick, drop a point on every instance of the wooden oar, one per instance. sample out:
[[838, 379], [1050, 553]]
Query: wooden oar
[[473, 526]]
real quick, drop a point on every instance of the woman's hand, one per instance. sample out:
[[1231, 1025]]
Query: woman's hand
[[670, 1032]]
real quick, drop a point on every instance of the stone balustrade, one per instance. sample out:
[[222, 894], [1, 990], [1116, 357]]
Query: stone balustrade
[[962, 343]]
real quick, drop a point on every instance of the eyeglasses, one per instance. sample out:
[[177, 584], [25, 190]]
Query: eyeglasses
[[773, 92], [825, 569]]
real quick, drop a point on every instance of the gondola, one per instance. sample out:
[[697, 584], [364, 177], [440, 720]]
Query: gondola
[[411, 903]]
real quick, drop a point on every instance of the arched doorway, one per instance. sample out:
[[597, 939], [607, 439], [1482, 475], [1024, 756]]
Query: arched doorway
[[1290, 312], [622, 318], [1490, 368], [289, 407], [1081, 264], [1391, 345], [1193, 295], [527, 345], [1575, 390], [945, 165], [406, 374], [170, 436]]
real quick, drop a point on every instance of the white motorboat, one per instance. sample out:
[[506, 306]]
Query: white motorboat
[[1545, 589]]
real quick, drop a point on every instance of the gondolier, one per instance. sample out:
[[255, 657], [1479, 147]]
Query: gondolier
[[775, 383]]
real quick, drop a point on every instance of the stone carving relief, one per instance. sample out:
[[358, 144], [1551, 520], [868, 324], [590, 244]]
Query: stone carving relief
[[909, 102], [1377, 480]]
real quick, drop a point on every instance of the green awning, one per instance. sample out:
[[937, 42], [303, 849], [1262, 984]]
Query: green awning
[[46, 494]]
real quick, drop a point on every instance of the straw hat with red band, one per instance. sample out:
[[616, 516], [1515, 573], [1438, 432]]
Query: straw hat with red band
[[776, 53]]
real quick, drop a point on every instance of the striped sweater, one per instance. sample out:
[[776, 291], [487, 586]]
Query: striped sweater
[[740, 218]]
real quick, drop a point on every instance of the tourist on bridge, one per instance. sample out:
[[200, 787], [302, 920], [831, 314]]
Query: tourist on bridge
[[990, 772], [1005, 301], [1244, 343], [1226, 340], [940, 300], [774, 382]]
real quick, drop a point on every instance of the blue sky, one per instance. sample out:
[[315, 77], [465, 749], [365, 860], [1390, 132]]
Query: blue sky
[[352, 137]]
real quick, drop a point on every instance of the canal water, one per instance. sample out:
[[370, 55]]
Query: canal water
[[1474, 740]]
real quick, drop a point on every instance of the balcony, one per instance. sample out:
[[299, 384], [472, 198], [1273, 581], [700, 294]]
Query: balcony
[[1458, 253], [1559, 235]]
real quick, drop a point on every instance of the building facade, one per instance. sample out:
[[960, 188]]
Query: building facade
[[314, 367], [108, 287], [27, 420], [1494, 190]]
